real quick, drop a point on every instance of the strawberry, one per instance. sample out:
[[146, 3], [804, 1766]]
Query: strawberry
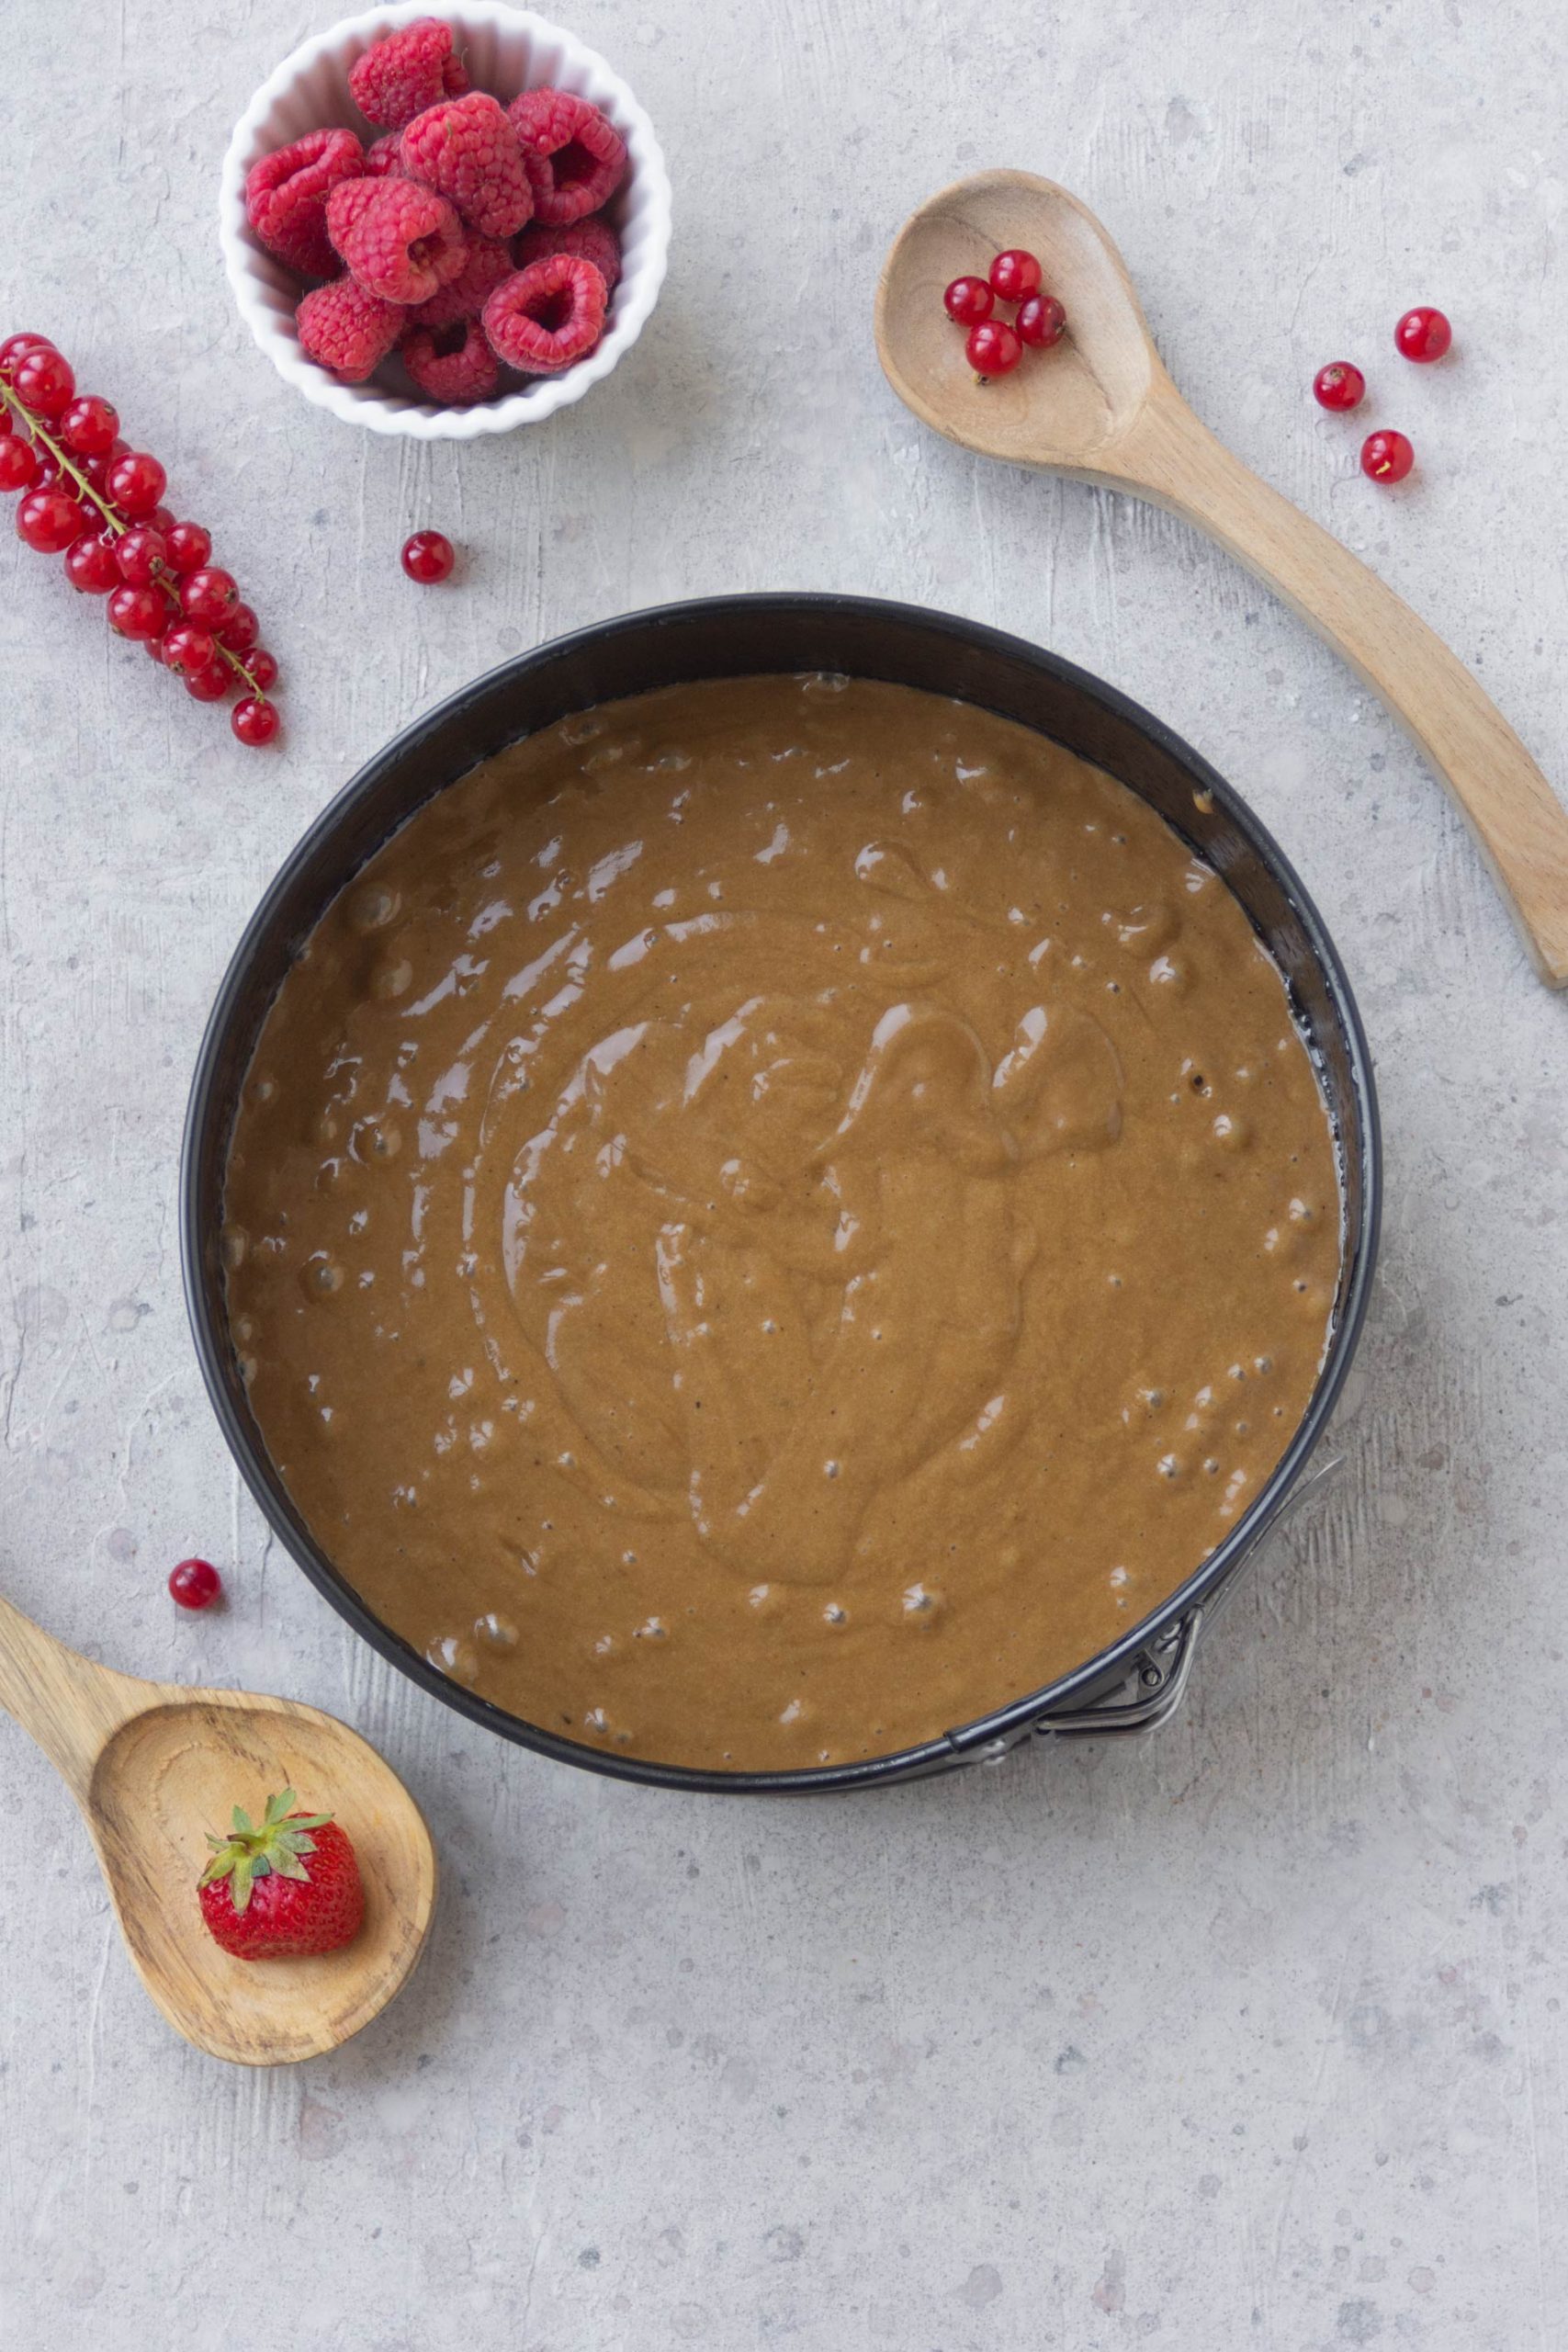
[[262, 1902]]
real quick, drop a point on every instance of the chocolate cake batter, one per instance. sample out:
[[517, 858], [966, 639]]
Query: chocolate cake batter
[[775, 1218]]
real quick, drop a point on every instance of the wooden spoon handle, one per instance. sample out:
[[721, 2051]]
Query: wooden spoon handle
[[1521, 824], [68, 1705]]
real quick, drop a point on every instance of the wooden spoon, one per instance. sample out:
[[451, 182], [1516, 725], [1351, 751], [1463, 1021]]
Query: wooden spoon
[[153, 1767], [1101, 408]]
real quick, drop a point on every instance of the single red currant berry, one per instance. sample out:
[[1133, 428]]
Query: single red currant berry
[[46, 521], [137, 482], [1015, 276], [137, 612], [187, 648], [43, 381], [189, 547], [19, 464], [262, 667], [195, 1584], [241, 630], [88, 426], [1386, 457], [1423, 334], [968, 300], [254, 721], [428, 556], [51, 475], [15, 349], [1340, 385], [161, 519], [139, 553], [90, 565], [7, 419], [208, 596], [209, 685], [993, 348], [1042, 321], [98, 468]]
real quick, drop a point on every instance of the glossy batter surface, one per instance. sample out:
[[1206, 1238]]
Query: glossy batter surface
[[775, 1218]]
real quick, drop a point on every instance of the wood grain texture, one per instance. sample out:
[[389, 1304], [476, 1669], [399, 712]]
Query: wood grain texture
[[1102, 409], [152, 1767]]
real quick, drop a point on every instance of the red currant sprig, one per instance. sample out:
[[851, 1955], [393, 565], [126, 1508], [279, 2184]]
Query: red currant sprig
[[90, 498]]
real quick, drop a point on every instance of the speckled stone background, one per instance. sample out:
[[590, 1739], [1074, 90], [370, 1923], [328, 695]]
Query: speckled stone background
[[1249, 2036]]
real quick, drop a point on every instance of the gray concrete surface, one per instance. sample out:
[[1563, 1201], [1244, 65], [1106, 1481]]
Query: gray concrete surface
[[1252, 2036]]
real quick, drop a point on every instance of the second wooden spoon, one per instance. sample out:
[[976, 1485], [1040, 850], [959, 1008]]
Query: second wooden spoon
[[1101, 408], [153, 1766]]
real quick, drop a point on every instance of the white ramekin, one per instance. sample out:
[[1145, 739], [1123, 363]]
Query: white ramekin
[[505, 51]]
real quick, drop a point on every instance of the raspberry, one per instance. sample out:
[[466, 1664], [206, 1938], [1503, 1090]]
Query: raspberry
[[547, 315], [408, 71], [286, 197], [452, 365], [584, 156], [592, 241], [469, 151], [382, 160], [489, 260], [347, 330], [400, 241]]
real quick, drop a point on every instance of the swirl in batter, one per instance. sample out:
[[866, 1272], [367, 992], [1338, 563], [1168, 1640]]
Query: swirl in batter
[[776, 1218]]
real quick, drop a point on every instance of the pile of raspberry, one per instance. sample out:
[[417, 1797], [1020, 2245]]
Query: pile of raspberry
[[87, 495], [468, 238]]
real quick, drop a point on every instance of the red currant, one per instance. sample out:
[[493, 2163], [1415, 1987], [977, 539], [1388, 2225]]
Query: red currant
[[19, 464], [162, 519], [43, 381], [195, 1584], [15, 349], [139, 553], [99, 469], [136, 482], [90, 565], [1423, 334], [189, 547], [51, 475], [241, 630], [1040, 321], [210, 596], [262, 667], [993, 348], [1015, 276], [1386, 457], [46, 521], [254, 721], [88, 426], [428, 556], [137, 612], [187, 648], [968, 300], [1340, 385], [209, 685]]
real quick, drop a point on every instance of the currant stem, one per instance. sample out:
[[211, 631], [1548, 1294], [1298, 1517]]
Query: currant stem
[[38, 432]]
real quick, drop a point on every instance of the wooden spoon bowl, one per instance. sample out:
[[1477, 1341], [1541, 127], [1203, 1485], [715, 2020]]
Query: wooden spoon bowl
[[1101, 408], [1100, 375], [153, 1767]]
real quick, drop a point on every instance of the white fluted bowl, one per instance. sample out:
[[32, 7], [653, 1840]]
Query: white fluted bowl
[[505, 51]]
